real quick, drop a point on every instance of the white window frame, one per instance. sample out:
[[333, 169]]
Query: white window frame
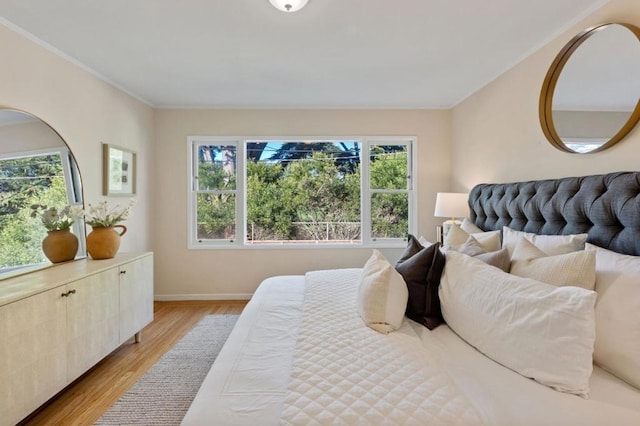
[[366, 191], [193, 243]]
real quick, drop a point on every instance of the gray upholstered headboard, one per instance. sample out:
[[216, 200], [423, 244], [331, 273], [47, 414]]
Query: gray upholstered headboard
[[607, 207]]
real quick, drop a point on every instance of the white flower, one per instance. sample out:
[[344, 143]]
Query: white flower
[[50, 214], [54, 219], [100, 214], [76, 211]]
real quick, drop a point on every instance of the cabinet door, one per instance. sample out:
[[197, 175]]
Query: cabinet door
[[136, 296], [92, 320], [33, 353]]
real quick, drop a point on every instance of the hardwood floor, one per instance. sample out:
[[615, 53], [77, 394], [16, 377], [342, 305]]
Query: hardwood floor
[[86, 399]]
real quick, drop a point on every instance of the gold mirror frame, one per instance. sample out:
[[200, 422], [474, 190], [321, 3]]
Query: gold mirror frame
[[549, 86]]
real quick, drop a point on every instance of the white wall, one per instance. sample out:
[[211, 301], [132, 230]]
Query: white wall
[[492, 136], [182, 271], [496, 132], [86, 112]]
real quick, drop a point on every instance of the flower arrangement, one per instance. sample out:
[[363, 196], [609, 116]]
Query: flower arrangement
[[101, 215], [57, 220]]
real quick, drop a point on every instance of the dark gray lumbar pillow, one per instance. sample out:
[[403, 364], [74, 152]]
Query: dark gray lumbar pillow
[[421, 267]]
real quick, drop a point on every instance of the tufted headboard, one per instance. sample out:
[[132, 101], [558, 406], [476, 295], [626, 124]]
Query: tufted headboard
[[607, 207]]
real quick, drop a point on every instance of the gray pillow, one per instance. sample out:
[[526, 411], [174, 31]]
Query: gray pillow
[[499, 258]]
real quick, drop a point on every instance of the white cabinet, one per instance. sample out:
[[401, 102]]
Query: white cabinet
[[57, 323], [136, 297], [33, 349], [92, 320]]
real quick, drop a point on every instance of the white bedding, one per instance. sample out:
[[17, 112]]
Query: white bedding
[[248, 383], [346, 373], [503, 397]]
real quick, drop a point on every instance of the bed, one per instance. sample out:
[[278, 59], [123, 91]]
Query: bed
[[302, 354]]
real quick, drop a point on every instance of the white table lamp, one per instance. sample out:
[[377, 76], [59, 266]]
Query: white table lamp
[[452, 205]]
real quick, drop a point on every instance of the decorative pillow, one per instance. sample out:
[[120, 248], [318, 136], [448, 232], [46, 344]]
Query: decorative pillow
[[577, 268], [456, 237], [550, 244], [413, 247], [471, 247], [469, 227], [541, 331], [618, 314], [421, 268], [499, 258], [382, 295], [424, 242]]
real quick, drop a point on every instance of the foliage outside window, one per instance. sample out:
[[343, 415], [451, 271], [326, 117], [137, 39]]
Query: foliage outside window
[[25, 181], [300, 191]]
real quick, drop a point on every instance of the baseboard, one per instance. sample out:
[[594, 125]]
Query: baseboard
[[224, 296]]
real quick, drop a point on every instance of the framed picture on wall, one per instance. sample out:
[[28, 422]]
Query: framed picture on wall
[[119, 170]]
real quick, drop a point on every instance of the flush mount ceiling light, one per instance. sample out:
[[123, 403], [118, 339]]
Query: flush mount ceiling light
[[288, 5]]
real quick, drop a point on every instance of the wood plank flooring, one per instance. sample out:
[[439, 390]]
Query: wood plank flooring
[[86, 399]]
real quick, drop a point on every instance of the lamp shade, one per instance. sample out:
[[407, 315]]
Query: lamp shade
[[288, 5], [451, 204]]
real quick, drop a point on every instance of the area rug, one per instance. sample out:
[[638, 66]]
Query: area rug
[[163, 395]]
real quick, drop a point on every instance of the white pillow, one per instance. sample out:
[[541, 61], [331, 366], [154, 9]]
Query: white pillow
[[382, 295], [456, 237], [469, 227], [617, 347], [550, 244], [577, 268], [541, 331]]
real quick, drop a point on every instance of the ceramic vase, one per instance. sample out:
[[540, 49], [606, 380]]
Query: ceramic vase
[[103, 241], [60, 246]]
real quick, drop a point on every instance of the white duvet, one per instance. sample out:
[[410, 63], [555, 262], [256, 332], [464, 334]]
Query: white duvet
[[251, 381], [346, 373]]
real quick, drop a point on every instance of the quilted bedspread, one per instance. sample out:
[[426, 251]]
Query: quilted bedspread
[[346, 373]]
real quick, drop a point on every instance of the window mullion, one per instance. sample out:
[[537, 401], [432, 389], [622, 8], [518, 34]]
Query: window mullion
[[365, 193], [241, 188], [411, 186]]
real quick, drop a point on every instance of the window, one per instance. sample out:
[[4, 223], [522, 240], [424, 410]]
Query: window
[[248, 192], [44, 177], [216, 184]]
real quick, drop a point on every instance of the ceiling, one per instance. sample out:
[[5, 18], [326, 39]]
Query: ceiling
[[331, 54]]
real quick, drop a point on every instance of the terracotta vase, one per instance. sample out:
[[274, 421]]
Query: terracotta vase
[[103, 241], [60, 246]]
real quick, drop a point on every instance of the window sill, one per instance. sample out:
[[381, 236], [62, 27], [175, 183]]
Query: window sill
[[296, 246]]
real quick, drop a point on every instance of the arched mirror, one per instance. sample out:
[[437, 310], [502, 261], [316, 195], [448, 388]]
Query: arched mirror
[[590, 97], [36, 167]]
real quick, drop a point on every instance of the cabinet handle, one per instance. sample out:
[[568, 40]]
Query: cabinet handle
[[123, 272], [65, 294], [68, 293], [72, 291]]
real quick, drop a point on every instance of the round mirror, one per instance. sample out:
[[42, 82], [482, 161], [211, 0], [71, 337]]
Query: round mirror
[[36, 167], [590, 97]]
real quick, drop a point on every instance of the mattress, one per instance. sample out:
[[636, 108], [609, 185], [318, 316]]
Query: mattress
[[248, 383]]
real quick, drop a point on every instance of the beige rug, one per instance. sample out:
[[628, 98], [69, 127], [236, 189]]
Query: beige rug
[[163, 395]]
